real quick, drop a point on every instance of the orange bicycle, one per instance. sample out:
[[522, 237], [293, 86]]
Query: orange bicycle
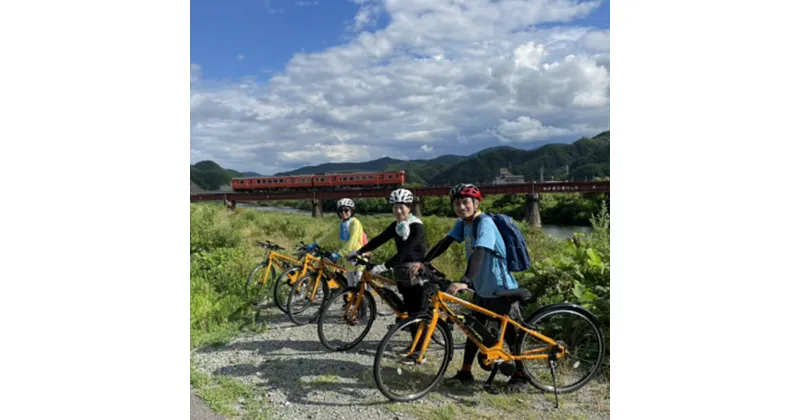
[[359, 310], [559, 341]]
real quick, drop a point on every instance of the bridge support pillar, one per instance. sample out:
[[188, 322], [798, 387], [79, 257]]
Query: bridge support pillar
[[231, 205], [532, 214], [416, 206], [316, 207]]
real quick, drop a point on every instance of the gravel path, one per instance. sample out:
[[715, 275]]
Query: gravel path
[[198, 410], [300, 379]]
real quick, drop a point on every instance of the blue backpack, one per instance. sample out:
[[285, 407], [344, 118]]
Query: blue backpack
[[517, 258]]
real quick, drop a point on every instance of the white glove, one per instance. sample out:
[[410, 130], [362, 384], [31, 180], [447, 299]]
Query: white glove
[[378, 269]]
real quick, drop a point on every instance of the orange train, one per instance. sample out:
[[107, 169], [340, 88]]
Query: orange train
[[331, 181]]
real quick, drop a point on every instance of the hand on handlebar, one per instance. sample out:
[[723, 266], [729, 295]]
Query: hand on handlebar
[[378, 269], [456, 287]]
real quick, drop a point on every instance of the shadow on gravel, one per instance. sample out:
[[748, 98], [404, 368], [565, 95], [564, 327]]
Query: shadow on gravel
[[300, 379], [270, 347]]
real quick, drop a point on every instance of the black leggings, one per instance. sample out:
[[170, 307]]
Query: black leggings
[[500, 306], [412, 299]]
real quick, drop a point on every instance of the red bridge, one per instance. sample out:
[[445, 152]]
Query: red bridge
[[532, 189]]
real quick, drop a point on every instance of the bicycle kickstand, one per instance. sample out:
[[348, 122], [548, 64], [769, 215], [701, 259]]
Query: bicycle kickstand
[[487, 386], [552, 360]]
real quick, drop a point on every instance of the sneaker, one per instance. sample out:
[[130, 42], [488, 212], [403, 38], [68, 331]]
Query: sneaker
[[518, 383], [412, 359], [463, 378]]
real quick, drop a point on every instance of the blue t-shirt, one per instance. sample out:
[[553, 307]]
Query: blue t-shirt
[[493, 271]]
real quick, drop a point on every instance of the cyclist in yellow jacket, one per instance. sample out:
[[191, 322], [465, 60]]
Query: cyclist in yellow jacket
[[352, 236]]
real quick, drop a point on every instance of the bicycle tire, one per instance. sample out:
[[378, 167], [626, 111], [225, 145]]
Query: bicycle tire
[[283, 280], [448, 345], [293, 316], [582, 313], [370, 302], [256, 299]]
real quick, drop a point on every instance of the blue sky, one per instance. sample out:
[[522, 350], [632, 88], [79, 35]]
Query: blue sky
[[284, 83]]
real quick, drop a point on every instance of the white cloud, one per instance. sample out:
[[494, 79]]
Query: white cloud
[[451, 76], [240, 57], [307, 3]]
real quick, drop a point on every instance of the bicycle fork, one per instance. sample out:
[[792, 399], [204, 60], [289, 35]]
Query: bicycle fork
[[507, 369]]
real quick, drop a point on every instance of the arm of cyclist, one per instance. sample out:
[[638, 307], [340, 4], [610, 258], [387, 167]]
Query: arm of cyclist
[[473, 268], [377, 241], [439, 248]]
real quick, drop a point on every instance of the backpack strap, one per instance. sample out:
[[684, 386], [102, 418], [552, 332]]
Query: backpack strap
[[475, 239]]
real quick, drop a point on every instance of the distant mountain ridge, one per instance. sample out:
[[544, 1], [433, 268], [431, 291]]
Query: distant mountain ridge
[[585, 158]]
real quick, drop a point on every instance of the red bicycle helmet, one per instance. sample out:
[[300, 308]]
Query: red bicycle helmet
[[465, 190]]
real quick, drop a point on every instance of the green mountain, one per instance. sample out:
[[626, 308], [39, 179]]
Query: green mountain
[[209, 176], [373, 165], [585, 158]]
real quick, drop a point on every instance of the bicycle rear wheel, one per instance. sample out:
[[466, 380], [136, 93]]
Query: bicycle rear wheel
[[573, 327]]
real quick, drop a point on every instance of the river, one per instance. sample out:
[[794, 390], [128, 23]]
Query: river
[[558, 231]]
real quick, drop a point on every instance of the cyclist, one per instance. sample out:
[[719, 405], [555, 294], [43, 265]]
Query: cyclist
[[409, 239], [351, 233], [485, 274]]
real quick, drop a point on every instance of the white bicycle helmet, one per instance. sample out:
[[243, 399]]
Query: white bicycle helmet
[[401, 196], [345, 202]]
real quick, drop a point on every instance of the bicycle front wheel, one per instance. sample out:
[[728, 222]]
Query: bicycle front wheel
[[283, 287], [396, 371], [256, 289], [305, 303], [339, 318]]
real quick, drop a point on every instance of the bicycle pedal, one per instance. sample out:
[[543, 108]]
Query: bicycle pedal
[[507, 368]]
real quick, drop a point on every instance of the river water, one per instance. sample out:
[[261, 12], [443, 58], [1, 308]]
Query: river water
[[558, 231]]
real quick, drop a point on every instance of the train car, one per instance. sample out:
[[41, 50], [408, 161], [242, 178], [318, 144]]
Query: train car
[[331, 181]]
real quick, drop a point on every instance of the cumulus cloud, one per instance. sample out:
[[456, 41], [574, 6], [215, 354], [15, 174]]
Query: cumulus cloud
[[454, 76]]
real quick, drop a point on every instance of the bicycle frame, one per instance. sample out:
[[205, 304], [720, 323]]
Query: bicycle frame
[[275, 258], [369, 279], [323, 269], [495, 352]]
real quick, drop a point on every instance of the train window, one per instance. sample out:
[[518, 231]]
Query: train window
[[351, 178], [371, 177], [390, 176]]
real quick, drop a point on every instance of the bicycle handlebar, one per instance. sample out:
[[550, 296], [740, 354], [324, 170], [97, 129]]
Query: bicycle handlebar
[[270, 245]]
